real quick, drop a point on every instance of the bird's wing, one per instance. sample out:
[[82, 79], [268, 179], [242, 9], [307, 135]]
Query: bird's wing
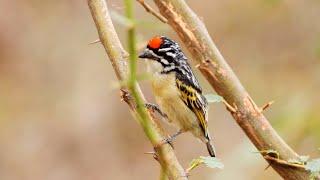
[[196, 102]]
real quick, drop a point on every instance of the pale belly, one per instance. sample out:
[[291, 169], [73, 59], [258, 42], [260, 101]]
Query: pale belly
[[168, 98]]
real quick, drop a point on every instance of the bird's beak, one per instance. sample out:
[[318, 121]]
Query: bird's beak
[[146, 54]]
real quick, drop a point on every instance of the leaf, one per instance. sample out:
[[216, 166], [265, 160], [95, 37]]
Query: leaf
[[194, 163], [209, 161], [213, 98], [212, 162], [314, 167]]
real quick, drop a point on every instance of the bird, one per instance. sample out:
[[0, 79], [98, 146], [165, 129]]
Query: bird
[[176, 90]]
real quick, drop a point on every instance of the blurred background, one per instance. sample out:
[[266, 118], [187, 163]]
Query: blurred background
[[60, 112]]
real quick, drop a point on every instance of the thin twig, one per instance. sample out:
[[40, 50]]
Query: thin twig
[[150, 10], [229, 107]]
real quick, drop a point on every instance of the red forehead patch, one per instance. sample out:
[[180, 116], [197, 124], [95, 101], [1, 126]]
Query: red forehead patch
[[155, 42]]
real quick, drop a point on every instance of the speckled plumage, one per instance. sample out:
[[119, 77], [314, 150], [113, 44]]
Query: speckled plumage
[[176, 89]]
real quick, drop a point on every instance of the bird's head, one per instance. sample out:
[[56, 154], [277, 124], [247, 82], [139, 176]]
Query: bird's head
[[164, 51]]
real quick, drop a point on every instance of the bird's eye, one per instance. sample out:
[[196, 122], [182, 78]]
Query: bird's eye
[[155, 42]]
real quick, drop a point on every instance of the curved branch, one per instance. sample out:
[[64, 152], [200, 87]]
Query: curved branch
[[119, 57], [221, 77]]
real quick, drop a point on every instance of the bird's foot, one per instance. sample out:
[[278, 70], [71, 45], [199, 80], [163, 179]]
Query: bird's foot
[[170, 139], [155, 107]]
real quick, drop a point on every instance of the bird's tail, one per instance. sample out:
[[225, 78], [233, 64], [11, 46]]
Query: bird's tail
[[211, 149]]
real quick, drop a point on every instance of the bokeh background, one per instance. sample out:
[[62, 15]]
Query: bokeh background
[[60, 112]]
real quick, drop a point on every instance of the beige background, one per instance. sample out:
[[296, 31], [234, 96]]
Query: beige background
[[60, 112]]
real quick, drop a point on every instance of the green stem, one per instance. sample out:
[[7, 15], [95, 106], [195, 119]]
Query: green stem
[[163, 175], [119, 58], [132, 79], [131, 40]]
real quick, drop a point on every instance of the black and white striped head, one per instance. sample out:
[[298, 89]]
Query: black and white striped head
[[166, 52], [168, 56]]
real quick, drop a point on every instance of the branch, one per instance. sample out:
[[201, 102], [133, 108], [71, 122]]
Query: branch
[[221, 77], [151, 11], [118, 57]]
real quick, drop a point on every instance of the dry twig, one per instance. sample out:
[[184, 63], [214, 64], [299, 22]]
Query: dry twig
[[150, 10]]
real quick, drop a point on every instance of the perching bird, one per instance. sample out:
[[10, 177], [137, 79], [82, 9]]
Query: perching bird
[[176, 89]]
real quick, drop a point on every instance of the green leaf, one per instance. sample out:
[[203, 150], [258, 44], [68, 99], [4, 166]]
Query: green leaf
[[314, 167], [213, 98], [194, 163], [209, 161]]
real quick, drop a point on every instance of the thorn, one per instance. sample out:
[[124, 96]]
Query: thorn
[[229, 107], [94, 42], [267, 167], [154, 155], [150, 152], [266, 106], [253, 104], [235, 106]]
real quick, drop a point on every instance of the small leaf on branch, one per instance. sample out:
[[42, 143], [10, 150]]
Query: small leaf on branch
[[213, 98], [210, 162], [314, 167]]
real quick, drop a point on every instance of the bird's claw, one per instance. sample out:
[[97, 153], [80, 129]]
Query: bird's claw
[[155, 107]]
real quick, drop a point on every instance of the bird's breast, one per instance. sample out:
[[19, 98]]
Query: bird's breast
[[168, 98], [164, 85]]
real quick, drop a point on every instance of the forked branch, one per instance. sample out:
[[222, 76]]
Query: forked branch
[[119, 58]]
